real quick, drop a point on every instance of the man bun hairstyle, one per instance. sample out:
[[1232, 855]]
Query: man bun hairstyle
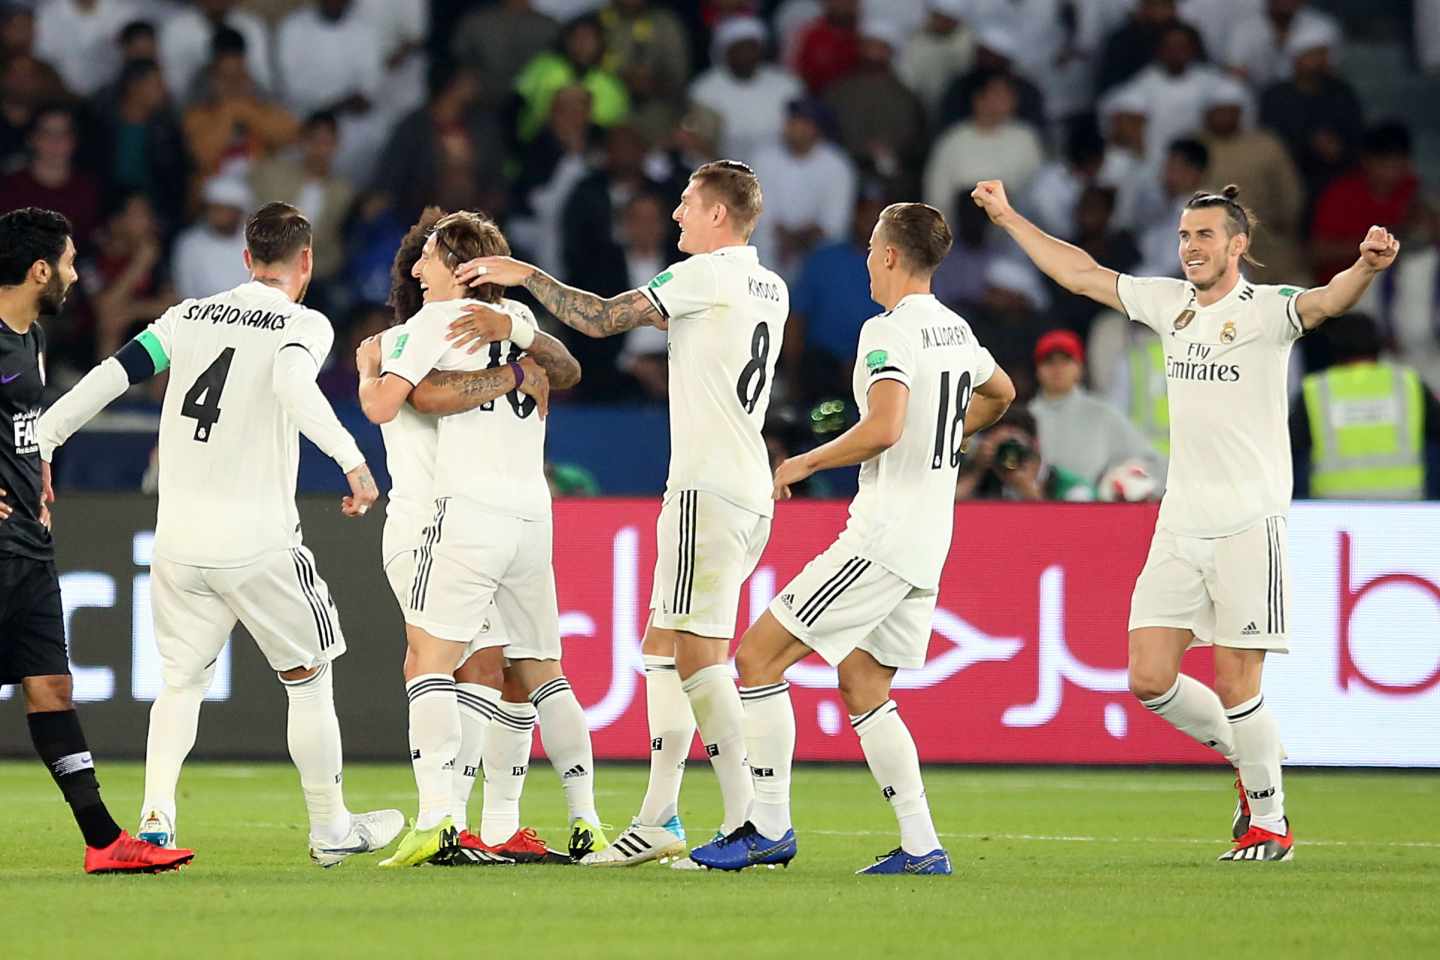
[[1238, 217], [27, 235], [276, 233], [735, 185], [465, 235], [919, 232]]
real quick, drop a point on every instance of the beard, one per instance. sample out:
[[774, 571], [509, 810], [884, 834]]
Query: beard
[[52, 296]]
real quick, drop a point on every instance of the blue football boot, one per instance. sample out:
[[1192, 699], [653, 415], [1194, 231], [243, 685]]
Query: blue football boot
[[897, 861], [745, 848]]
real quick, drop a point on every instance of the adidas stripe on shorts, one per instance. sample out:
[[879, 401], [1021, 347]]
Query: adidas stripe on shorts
[[280, 598], [842, 602], [1230, 591], [706, 547], [473, 564]]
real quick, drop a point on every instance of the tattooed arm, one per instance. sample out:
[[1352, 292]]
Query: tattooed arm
[[445, 392], [592, 315], [558, 363]]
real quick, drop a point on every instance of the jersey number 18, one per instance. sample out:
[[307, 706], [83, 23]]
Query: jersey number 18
[[954, 424]]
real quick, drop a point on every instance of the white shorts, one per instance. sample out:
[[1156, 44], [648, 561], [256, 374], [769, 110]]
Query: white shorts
[[1231, 591], [280, 599], [400, 571], [841, 603], [476, 562], [706, 547]]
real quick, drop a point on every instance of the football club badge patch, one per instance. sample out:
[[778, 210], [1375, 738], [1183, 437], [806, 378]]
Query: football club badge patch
[[1183, 321], [1227, 332]]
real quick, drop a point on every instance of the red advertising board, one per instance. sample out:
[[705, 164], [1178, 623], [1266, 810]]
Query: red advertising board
[[1027, 653]]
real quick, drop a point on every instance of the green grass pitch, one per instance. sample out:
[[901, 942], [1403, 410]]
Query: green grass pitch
[[1052, 863]]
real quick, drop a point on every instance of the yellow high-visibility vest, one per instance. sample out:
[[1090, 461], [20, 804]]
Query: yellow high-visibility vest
[[1366, 432], [1149, 405]]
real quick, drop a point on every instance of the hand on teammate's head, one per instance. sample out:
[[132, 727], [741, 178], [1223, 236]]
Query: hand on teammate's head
[[505, 271]]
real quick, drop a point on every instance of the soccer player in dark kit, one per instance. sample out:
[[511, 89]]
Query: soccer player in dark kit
[[37, 267]]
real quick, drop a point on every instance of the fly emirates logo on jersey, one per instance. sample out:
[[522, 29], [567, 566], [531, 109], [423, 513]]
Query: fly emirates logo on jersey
[[1202, 362]]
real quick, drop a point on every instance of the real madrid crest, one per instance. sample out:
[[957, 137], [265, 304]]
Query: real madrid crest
[[1227, 332], [1183, 321]]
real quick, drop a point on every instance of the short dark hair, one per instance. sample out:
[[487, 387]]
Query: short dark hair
[[321, 118], [1238, 217], [27, 235], [227, 40], [465, 235], [1352, 336], [1390, 139], [136, 29], [735, 185], [276, 233], [50, 109], [406, 298], [1192, 151], [919, 232]]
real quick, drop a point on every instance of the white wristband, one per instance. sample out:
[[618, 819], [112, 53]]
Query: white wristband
[[522, 331]]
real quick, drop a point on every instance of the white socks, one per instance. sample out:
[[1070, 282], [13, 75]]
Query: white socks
[[434, 741], [477, 708], [566, 737], [890, 752], [174, 719], [313, 734], [720, 718], [506, 759], [1194, 709], [1257, 757], [770, 744], [672, 728]]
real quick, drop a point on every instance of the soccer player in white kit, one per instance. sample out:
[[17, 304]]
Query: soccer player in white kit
[[923, 384], [726, 317], [488, 541], [725, 314], [1217, 572], [227, 538], [499, 730]]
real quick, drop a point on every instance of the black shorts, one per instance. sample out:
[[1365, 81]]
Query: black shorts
[[32, 623]]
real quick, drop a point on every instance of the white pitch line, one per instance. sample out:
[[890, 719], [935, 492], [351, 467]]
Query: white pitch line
[[1065, 838]]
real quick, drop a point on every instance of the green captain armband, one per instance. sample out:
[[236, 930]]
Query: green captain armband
[[143, 357]]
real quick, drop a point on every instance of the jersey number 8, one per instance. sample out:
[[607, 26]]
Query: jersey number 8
[[955, 424], [754, 370]]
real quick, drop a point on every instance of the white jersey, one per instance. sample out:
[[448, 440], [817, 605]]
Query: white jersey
[[903, 515], [411, 442], [727, 317], [229, 453], [492, 456], [1225, 372]]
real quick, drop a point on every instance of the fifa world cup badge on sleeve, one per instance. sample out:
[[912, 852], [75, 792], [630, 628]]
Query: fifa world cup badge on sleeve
[[875, 359], [1183, 321], [400, 342]]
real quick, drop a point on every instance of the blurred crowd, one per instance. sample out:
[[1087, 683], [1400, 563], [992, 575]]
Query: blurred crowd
[[156, 125]]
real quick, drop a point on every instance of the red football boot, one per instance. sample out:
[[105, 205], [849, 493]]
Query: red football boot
[[1260, 845], [129, 855], [526, 847]]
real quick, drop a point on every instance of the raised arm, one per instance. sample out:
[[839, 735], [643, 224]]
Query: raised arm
[[592, 315], [1377, 251], [1065, 263]]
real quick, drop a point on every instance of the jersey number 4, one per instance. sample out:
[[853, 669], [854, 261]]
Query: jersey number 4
[[202, 400], [948, 425]]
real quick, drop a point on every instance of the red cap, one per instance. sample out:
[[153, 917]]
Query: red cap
[[1060, 341]]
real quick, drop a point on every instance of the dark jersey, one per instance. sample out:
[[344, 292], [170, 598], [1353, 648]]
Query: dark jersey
[[22, 378]]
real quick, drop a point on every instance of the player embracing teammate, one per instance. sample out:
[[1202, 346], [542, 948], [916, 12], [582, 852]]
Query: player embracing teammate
[[1217, 572]]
